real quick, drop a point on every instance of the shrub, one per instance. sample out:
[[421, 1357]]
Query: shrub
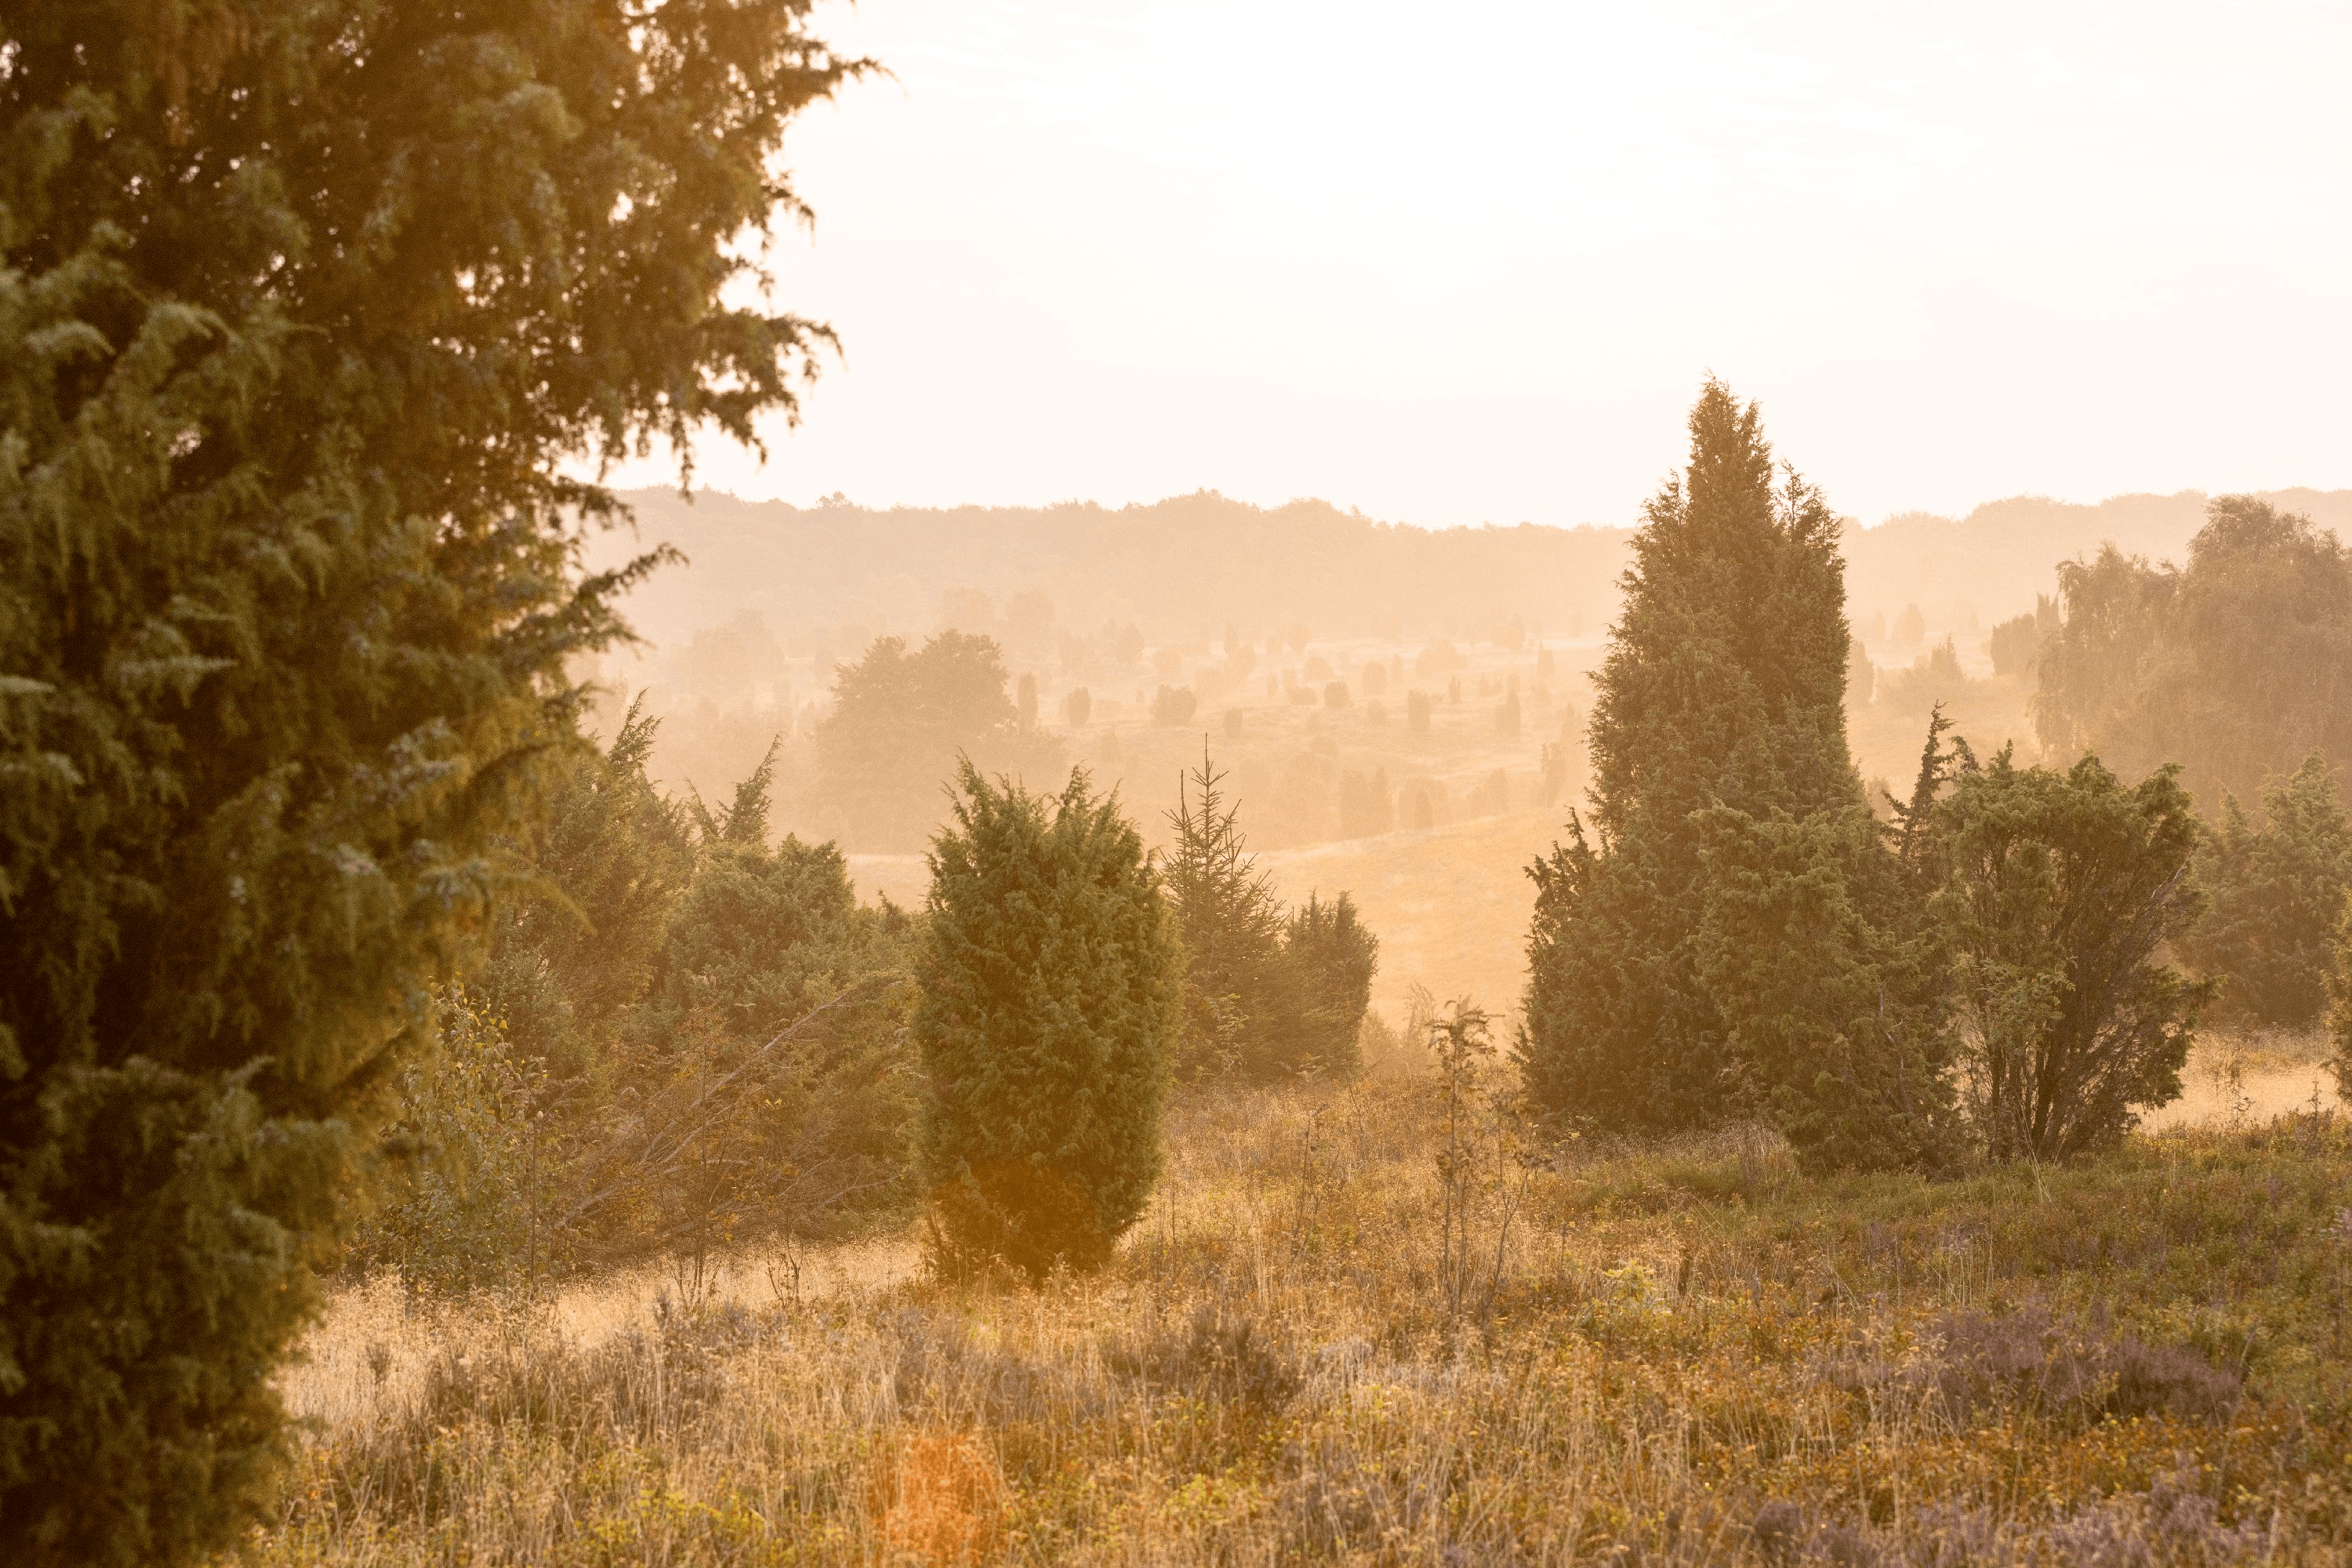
[[1335, 694], [2273, 896], [1506, 717], [563, 972], [1051, 999], [1416, 711], [1220, 1356], [475, 1170], [1829, 981], [2064, 889], [1440, 657], [1331, 958], [746, 1077]]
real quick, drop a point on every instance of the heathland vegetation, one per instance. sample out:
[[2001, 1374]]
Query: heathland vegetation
[[1088, 1210], [392, 1037]]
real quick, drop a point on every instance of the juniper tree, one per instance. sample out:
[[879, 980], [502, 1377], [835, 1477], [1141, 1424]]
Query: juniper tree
[[311, 317], [1818, 943], [2062, 890], [1051, 991], [1724, 685], [1330, 957], [2273, 896]]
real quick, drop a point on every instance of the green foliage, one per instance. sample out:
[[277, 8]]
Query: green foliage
[[2062, 890], [308, 315], [1725, 683], [744, 1072], [1268, 996], [477, 1169], [1329, 958], [2273, 895], [1830, 982], [1231, 928], [2339, 1002], [901, 720], [607, 864], [1052, 991], [2233, 665]]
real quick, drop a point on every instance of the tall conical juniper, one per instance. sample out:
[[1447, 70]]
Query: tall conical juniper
[[1727, 828]]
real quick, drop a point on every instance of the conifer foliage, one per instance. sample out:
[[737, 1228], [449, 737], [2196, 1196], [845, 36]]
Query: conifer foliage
[[1051, 995], [307, 312], [1268, 996], [1231, 926], [1724, 685], [2062, 889], [2273, 896]]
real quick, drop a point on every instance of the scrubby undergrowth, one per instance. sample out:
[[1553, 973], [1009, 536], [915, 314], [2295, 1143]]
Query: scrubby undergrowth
[[1684, 1354]]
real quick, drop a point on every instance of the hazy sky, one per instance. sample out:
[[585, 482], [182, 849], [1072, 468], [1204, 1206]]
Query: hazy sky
[[1470, 262]]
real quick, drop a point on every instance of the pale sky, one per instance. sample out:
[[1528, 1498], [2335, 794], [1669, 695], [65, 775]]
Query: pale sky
[[1464, 263]]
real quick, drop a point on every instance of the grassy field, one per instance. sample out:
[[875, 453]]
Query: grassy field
[[1325, 1342]]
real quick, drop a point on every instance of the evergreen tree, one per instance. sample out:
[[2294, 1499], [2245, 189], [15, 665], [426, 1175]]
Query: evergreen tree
[[1724, 684], [2062, 889], [574, 949], [1230, 926], [1052, 991], [1330, 958], [2273, 896], [1832, 975], [310, 315]]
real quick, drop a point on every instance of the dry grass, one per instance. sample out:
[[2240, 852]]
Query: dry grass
[[1684, 1354], [2248, 1077]]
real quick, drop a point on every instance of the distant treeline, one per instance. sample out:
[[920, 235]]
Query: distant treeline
[[829, 578]]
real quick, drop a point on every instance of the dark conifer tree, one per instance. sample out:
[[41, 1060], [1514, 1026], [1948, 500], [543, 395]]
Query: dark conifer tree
[[1051, 985], [1724, 686], [312, 318], [1331, 956], [1231, 926]]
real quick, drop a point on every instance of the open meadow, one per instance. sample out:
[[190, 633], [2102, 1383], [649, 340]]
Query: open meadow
[[1370, 1324]]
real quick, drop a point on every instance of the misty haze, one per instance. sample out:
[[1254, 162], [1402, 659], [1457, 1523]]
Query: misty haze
[[1659, 874]]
